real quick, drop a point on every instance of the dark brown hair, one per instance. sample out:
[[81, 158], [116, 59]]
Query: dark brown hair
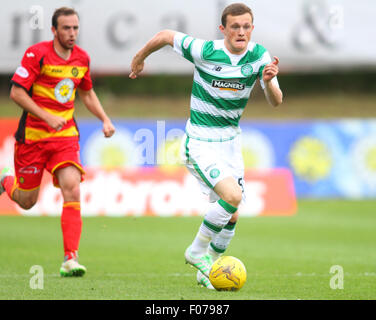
[[235, 9], [63, 11]]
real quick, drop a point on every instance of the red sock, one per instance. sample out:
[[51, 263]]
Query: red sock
[[9, 184], [71, 226]]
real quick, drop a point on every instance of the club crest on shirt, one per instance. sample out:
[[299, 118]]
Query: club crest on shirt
[[64, 90], [246, 70], [74, 72], [214, 173]]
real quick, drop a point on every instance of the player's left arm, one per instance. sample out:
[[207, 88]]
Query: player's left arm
[[272, 92], [92, 103]]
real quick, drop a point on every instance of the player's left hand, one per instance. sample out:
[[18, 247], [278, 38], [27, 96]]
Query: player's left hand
[[270, 70], [108, 128]]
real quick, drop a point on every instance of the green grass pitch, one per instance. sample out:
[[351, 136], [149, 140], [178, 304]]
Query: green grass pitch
[[143, 258]]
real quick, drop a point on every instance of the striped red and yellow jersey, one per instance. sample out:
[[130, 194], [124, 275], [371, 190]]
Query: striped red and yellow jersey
[[52, 82]]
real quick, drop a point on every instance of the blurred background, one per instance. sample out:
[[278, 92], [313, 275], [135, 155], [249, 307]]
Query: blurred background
[[320, 143]]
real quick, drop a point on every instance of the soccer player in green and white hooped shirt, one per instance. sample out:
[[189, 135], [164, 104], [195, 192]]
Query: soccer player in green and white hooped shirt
[[225, 73]]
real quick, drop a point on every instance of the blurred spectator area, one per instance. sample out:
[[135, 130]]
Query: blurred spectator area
[[327, 61]]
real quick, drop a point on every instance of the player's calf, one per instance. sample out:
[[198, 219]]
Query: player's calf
[[25, 199]]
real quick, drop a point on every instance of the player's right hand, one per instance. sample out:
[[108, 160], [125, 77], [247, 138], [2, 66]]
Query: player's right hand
[[56, 122], [137, 66]]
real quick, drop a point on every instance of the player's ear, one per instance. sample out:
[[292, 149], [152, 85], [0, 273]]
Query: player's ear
[[222, 28], [53, 30]]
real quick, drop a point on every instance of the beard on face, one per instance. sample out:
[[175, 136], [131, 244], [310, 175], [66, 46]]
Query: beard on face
[[66, 45]]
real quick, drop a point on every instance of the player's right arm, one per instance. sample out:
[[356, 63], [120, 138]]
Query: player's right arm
[[21, 97], [23, 79], [161, 39]]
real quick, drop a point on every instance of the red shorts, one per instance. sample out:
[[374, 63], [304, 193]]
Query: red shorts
[[31, 159]]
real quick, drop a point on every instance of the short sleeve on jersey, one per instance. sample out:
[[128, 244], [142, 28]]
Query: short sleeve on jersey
[[29, 69], [188, 47]]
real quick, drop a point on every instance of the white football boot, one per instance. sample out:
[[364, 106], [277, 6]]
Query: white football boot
[[203, 280], [203, 263], [71, 268]]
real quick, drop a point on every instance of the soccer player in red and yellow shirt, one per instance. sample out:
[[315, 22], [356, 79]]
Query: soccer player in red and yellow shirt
[[44, 86]]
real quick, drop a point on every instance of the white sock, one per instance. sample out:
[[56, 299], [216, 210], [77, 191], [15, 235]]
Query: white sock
[[221, 241], [201, 242], [215, 219]]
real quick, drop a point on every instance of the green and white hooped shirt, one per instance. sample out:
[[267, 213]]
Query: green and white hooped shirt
[[222, 84]]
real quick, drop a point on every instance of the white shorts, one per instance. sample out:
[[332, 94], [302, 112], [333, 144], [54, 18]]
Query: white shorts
[[211, 162]]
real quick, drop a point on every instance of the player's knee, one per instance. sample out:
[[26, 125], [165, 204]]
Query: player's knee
[[233, 197], [71, 192], [27, 204]]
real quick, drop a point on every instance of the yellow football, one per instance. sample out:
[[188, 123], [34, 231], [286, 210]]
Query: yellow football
[[228, 274]]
